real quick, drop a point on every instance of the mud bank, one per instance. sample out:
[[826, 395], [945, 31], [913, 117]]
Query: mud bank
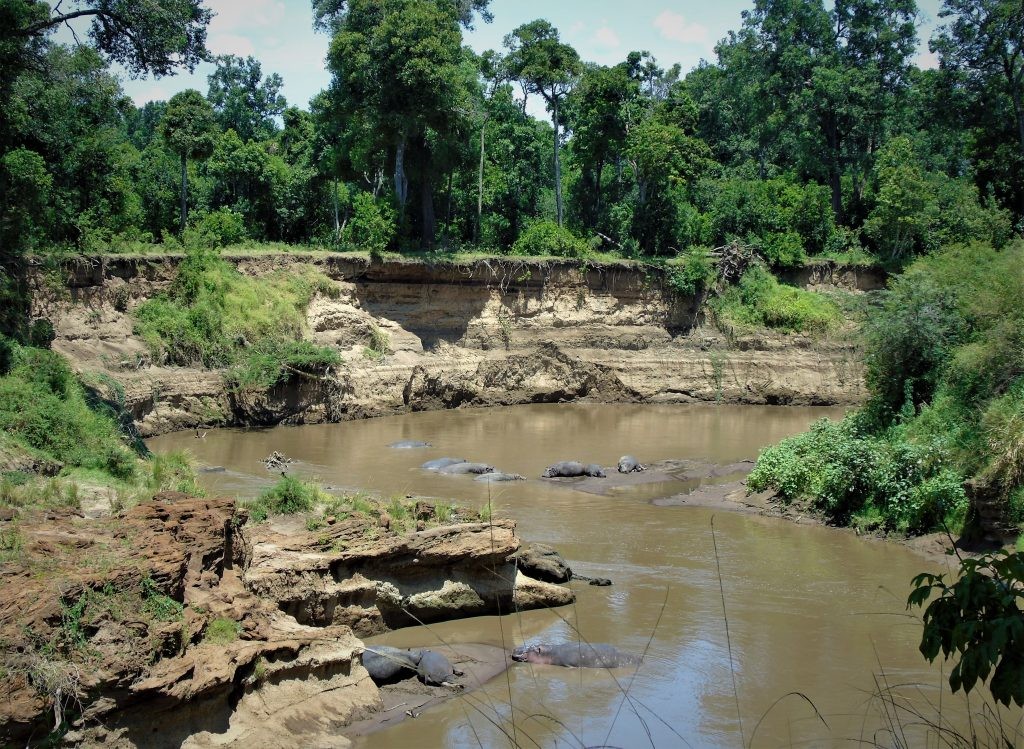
[[174, 624], [483, 333]]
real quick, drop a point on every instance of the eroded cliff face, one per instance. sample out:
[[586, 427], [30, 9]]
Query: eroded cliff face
[[174, 624], [486, 333]]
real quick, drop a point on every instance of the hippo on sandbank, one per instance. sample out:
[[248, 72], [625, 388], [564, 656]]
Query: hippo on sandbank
[[499, 476], [570, 468], [629, 464], [436, 670], [438, 463], [408, 444], [385, 663], [575, 655], [456, 469]]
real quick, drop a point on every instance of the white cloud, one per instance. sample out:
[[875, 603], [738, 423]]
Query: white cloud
[[928, 60], [232, 15], [576, 28], [150, 93], [606, 37], [230, 44], [676, 28]]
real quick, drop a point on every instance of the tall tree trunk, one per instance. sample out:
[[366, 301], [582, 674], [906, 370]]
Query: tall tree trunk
[[480, 186], [558, 165], [429, 219], [401, 181], [447, 210], [184, 192], [334, 201], [834, 174]]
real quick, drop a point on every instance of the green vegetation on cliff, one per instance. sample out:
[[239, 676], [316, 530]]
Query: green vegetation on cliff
[[215, 316], [945, 368]]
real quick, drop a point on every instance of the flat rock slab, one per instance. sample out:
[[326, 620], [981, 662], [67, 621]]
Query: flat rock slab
[[479, 664]]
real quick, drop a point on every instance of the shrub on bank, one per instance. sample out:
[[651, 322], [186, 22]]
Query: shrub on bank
[[546, 238], [44, 407], [759, 300], [850, 474], [214, 316]]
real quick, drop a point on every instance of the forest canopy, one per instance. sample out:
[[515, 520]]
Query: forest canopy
[[811, 133]]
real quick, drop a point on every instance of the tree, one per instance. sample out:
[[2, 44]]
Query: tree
[[243, 99], [985, 38], [190, 131], [154, 37], [400, 88], [824, 84], [544, 65]]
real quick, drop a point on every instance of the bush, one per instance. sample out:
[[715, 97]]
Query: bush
[[271, 363], [372, 226], [218, 228], [44, 407], [846, 471], [222, 631], [289, 496], [546, 238], [759, 300], [696, 272], [214, 316]]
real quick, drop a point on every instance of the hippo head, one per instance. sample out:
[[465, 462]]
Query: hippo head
[[532, 654]]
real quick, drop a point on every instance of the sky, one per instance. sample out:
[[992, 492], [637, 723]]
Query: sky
[[279, 34]]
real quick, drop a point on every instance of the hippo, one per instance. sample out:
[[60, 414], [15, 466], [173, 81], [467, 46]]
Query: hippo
[[385, 663], [408, 444], [575, 655], [499, 476], [569, 468], [463, 468], [629, 464], [435, 669], [438, 463]]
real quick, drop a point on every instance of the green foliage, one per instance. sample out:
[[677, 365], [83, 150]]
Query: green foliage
[[372, 226], [696, 273], [783, 219], [917, 212], [161, 607], [289, 496], [547, 239], [215, 317], [979, 620], [270, 363], [173, 471], [761, 301], [222, 631], [219, 228], [847, 471], [44, 407]]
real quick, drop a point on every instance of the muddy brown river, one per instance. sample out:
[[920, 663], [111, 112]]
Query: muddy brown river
[[816, 616]]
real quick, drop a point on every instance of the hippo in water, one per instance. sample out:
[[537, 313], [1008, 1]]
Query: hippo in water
[[575, 655], [385, 663], [438, 463], [499, 476], [629, 464], [570, 468], [463, 468], [408, 444]]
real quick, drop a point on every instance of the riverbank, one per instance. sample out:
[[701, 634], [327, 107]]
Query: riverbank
[[416, 335], [174, 623]]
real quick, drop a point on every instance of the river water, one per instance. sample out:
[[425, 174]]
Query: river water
[[815, 616]]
